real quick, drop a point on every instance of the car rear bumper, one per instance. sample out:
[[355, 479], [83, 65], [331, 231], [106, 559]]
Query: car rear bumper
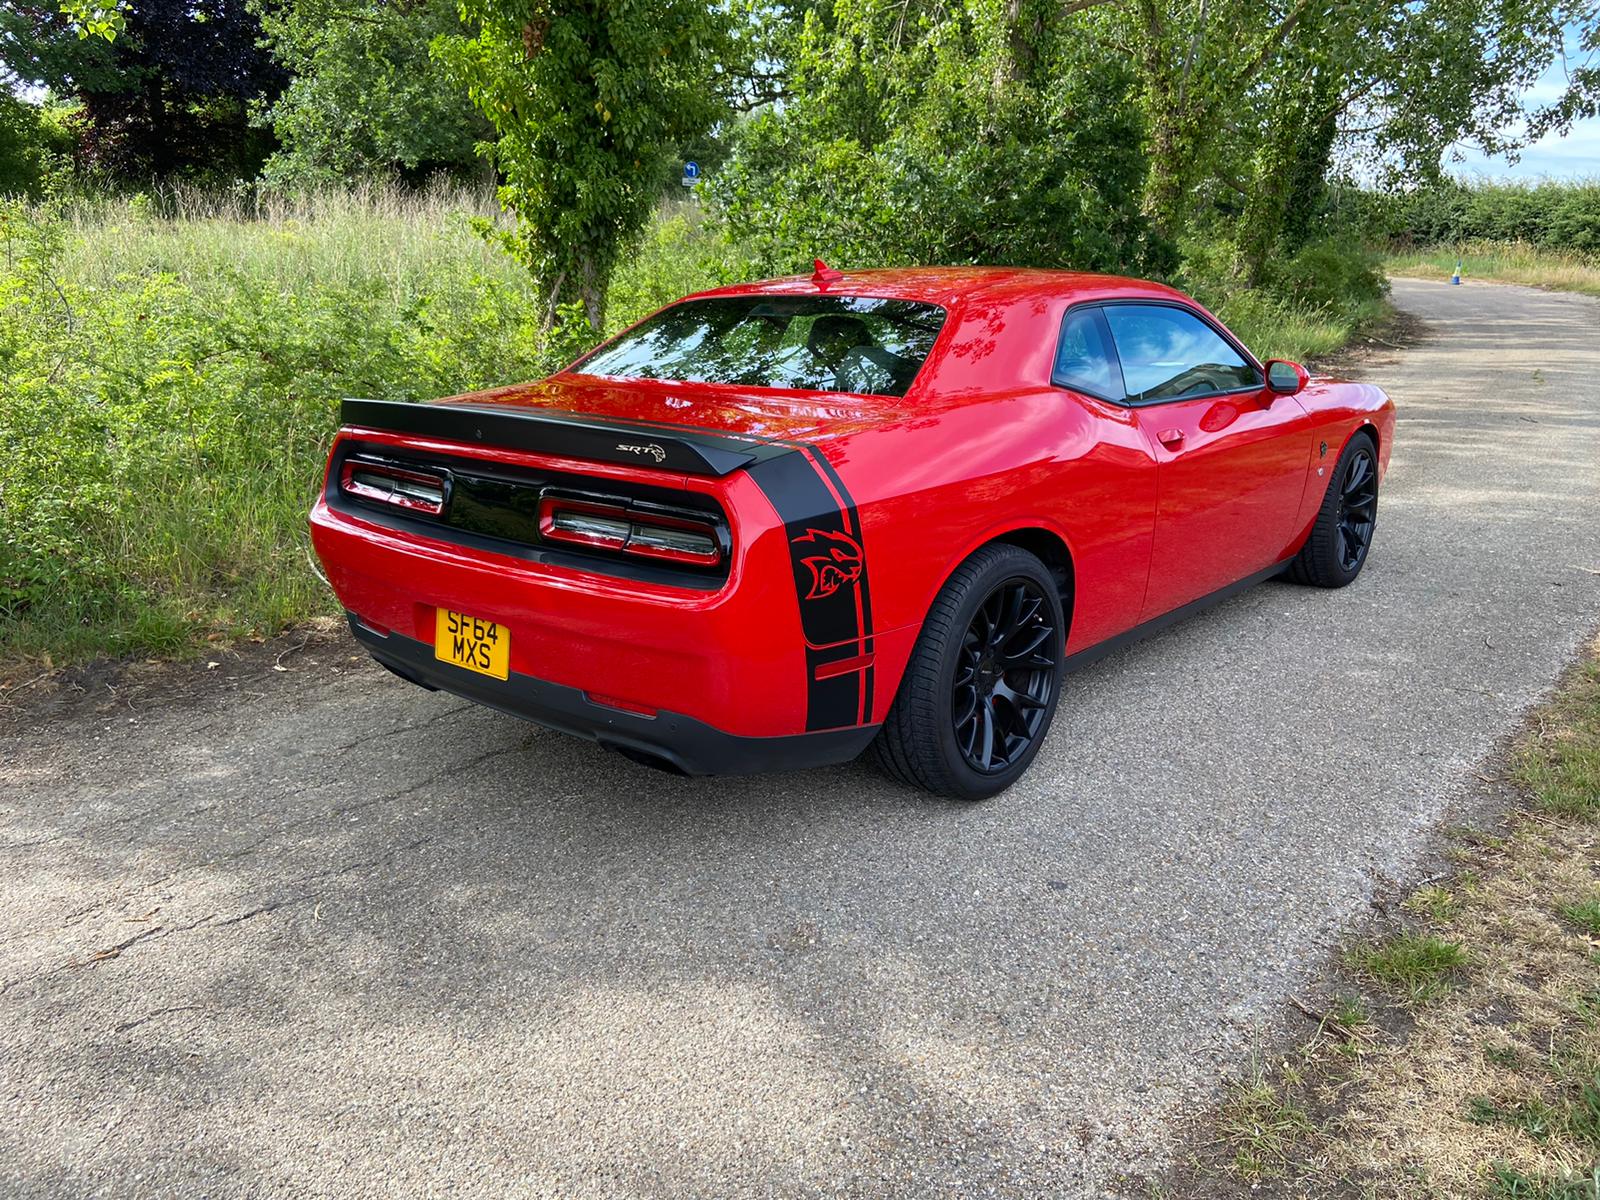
[[666, 739]]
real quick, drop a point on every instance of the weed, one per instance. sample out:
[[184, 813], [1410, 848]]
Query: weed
[[1261, 1126], [1535, 1117], [1585, 914], [1435, 902], [1511, 1184], [1417, 966], [1562, 765]]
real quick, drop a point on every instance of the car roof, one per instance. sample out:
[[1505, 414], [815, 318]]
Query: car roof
[[949, 286]]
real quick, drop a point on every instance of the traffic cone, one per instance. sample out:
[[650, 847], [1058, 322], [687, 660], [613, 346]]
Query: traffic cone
[[1456, 278]]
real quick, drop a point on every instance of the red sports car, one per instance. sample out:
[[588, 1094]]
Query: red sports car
[[774, 524]]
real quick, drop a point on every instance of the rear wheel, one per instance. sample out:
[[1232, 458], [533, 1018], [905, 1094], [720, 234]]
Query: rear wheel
[[1337, 548], [981, 687]]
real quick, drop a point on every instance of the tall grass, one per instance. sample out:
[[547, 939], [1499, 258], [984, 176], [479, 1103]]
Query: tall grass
[[170, 372], [1504, 262]]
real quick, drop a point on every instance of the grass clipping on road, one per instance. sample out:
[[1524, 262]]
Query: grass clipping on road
[[1460, 1054]]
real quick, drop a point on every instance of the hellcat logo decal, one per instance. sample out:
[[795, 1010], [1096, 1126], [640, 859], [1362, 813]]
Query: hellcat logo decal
[[839, 564], [649, 448]]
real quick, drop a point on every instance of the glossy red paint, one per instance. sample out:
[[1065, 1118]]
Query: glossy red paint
[[1150, 507]]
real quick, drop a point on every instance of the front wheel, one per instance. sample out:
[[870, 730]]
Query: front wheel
[[1337, 548], [981, 688]]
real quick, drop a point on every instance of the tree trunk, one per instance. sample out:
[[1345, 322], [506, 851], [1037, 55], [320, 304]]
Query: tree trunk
[[1167, 183], [592, 291]]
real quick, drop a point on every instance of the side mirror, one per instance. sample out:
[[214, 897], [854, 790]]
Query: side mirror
[[1285, 377]]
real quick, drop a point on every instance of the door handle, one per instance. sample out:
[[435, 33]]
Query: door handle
[[1170, 438]]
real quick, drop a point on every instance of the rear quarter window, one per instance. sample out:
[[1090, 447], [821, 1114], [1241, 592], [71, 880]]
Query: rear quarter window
[[858, 344], [1085, 360]]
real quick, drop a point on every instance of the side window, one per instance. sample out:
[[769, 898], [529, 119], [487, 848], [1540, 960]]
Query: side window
[[1168, 353], [1084, 359]]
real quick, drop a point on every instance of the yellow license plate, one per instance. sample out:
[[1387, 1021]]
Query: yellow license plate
[[471, 642]]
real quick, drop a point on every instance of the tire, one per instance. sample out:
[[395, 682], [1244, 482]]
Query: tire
[[961, 657], [1341, 536]]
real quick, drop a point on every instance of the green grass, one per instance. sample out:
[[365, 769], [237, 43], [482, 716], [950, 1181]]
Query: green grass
[[1350, 1011], [1585, 914], [1435, 902], [1512, 1184], [1261, 1127], [1503, 262], [170, 375], [1417, 966], [1535, 1117], [1562, 767]]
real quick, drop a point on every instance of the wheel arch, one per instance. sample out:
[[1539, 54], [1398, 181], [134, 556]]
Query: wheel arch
[[1367, 426], [1051, 549], [1039, 538]]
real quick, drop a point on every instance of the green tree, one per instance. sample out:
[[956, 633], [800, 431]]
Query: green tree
[[29, 139], [930, 132], [588, 99], [165, 86], [1241, 93], [365, 97]]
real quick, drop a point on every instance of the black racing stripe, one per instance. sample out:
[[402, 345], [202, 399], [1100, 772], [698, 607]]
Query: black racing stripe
[[830, 579], [863, 584]]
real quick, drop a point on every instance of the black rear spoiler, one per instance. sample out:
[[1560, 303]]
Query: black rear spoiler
[[570, 435]]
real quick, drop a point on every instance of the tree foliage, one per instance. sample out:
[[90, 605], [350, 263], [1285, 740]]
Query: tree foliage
[[588, 99], [928, 132], [365, 96], [165, 88], [34, 142], [1259, 98]]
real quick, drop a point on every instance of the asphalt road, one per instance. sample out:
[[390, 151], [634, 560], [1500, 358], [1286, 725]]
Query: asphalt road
[[321, 933]]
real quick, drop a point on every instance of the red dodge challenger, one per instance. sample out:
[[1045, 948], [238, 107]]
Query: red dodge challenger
[[774, 524]]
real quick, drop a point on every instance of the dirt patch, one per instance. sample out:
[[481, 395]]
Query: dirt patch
[[34, 694], [1398, 330]]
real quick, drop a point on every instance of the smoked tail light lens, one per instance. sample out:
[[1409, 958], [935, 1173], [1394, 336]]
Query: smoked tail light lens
[[417, 491], [598, 524]]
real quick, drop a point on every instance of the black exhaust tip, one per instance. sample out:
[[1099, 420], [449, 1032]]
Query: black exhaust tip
[[645, 759]]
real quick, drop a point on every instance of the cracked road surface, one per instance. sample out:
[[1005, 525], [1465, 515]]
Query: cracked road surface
[[327, 934]]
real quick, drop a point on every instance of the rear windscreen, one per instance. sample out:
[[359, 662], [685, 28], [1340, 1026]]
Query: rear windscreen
[[812, 343]]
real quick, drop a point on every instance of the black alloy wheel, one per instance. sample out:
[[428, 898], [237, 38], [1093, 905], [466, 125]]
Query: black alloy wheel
[[977, 698], [1005, 676], [1358, 508], [1341, 536]]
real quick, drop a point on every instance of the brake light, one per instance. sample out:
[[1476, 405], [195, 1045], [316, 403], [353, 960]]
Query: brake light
[[639, 533], [419, 491]]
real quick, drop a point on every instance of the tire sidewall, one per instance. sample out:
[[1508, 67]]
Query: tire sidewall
[[972, 784], [1361, 440]]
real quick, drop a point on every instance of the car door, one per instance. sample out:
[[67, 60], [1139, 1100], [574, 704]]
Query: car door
[[1231, 455]]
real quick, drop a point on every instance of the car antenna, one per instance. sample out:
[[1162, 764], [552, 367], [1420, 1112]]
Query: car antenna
[[824, 274]]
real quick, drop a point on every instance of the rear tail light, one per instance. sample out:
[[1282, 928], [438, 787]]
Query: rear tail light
[[605, 524], [419, 491]]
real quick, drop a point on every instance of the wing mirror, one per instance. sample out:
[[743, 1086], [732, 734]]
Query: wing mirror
[[1285, 377]]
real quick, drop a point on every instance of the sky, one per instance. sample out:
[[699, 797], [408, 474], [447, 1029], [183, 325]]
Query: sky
[[1575, 155]]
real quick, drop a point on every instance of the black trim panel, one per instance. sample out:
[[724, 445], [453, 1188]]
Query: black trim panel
[[551, 432], [464, 473], [679, 741], [1092, 654]]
